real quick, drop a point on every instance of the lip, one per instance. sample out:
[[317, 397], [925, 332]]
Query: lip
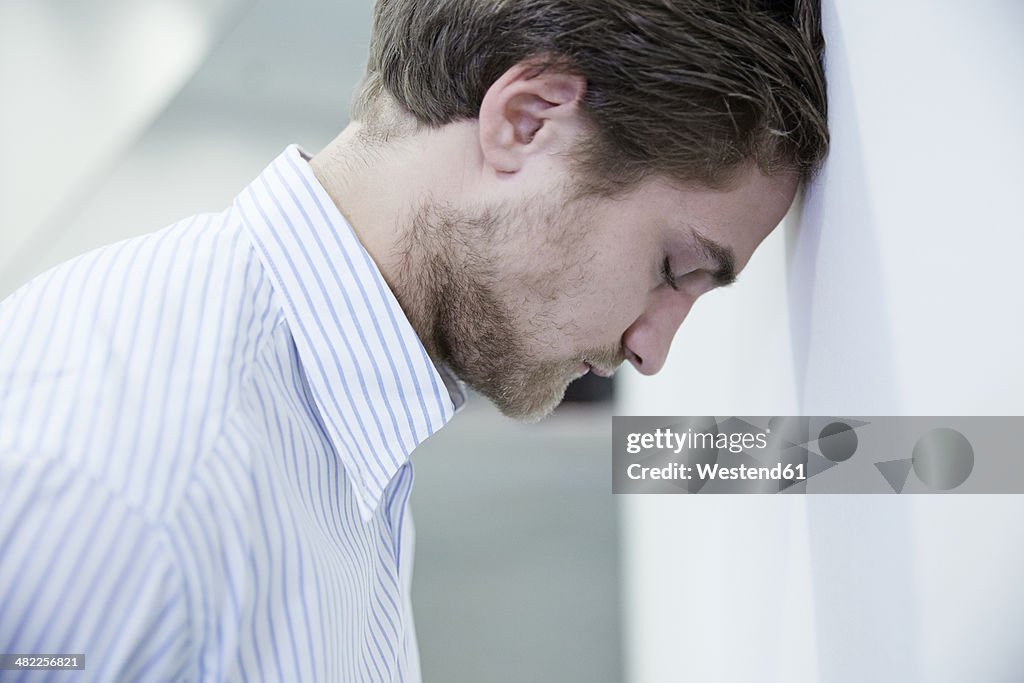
[[597, 371]]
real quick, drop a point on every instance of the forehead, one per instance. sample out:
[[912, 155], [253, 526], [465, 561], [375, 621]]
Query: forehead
[[738, 216]]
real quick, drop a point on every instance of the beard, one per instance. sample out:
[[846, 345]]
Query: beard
[[461, 300]]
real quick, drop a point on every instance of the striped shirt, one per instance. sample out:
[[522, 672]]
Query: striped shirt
[[204, 451]]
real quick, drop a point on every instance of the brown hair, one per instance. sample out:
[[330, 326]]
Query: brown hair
[[688, 89]]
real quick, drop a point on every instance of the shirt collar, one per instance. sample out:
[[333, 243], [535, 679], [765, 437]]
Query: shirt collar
[[377, 391]]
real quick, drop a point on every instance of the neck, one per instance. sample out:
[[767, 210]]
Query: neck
[[379, 187]]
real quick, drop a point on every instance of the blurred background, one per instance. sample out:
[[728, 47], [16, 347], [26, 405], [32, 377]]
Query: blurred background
[[897, 289]]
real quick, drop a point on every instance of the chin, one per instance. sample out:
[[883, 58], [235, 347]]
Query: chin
[[531, 408], [528, 417]]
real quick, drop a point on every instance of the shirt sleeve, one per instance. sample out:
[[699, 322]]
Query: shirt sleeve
[[83, 573]]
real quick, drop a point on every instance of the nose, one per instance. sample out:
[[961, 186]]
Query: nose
[[646, 342]]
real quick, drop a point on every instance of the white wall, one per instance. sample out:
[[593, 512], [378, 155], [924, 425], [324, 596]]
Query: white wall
[[898, 291]]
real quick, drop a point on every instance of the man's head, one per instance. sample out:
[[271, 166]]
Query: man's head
[[585, 170], [687, 89]]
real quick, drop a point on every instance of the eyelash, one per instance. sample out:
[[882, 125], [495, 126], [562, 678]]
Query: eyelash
[[668, 275]]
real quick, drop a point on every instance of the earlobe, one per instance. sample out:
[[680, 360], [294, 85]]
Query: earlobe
[[528, 111]]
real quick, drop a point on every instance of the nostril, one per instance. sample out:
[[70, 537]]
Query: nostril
[[634, 358]]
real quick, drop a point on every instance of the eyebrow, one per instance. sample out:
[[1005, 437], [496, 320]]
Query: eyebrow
[[722, 255]]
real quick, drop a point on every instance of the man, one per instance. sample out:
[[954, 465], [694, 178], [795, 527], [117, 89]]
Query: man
[[205, 432]]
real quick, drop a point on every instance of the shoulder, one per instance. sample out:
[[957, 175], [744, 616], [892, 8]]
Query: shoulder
[[125, 362]]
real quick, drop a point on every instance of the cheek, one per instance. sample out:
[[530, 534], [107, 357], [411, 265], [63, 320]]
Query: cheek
[[604, 307], [581, 293], [622, 286]]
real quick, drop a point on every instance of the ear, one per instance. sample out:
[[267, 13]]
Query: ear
[[528, 111]]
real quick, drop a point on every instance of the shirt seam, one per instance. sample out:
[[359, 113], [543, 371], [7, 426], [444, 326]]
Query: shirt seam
[[244, 381], [162, 534], [173, 513]]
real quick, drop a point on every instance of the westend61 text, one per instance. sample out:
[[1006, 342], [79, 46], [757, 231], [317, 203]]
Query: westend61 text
[[707, 472]]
